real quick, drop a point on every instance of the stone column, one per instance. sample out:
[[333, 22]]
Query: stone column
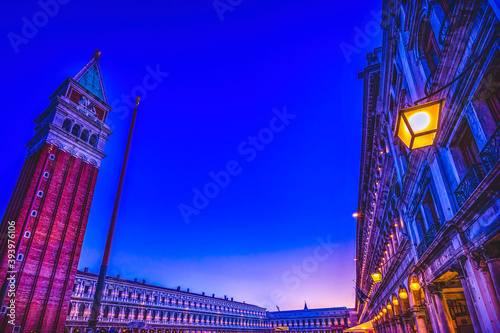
[[420, 319], [431, 306], [492, 294], [394, 326], [409, 325], [442, 309], [468, 297], [400, 328], [479, 293], [492, 257]]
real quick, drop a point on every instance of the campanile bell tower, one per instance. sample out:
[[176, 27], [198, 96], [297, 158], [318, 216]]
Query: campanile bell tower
[[44, 224]]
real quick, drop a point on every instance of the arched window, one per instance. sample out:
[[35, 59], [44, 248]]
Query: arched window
[[93, 140], [106, 312], [127, 313], [117, 312], [76, 130], [420, 225], [81, 310], [144, 314], [136, 314], [66, 125], [85, 135]]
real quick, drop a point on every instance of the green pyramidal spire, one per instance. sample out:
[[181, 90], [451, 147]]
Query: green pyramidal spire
[[90, 77], [90, 80]]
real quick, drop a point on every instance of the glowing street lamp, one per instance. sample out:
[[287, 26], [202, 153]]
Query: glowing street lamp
[[403, 294], [417, 126], [415, 286], [377, 277]]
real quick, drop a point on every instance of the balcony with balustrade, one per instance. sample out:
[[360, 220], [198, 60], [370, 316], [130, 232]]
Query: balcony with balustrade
[[490, 154], [427, 239], [469, 183]]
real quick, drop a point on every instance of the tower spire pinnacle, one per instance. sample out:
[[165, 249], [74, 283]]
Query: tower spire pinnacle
[[305, 306], [90, 77], [97, 54]]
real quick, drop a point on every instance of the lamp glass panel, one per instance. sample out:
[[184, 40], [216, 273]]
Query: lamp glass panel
[[403, 133], [424, 140], [424, 119]]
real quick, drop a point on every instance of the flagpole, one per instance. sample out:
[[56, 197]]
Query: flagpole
[[96, 305]]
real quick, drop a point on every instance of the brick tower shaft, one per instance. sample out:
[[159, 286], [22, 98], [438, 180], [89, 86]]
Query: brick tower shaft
[[45, 221]]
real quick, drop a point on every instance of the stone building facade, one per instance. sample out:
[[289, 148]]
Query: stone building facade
[[428, 219], [166, 310], [325, 320], [162, 310]]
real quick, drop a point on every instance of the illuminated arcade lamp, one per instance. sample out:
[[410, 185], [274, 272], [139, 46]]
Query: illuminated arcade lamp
[[389, 306], [417, 126], [377, 277], [384, 310], [415, 286], [395, 302], [403, 294]]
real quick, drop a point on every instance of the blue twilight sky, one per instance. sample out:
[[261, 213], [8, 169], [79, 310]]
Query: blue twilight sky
[[281, 231]]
